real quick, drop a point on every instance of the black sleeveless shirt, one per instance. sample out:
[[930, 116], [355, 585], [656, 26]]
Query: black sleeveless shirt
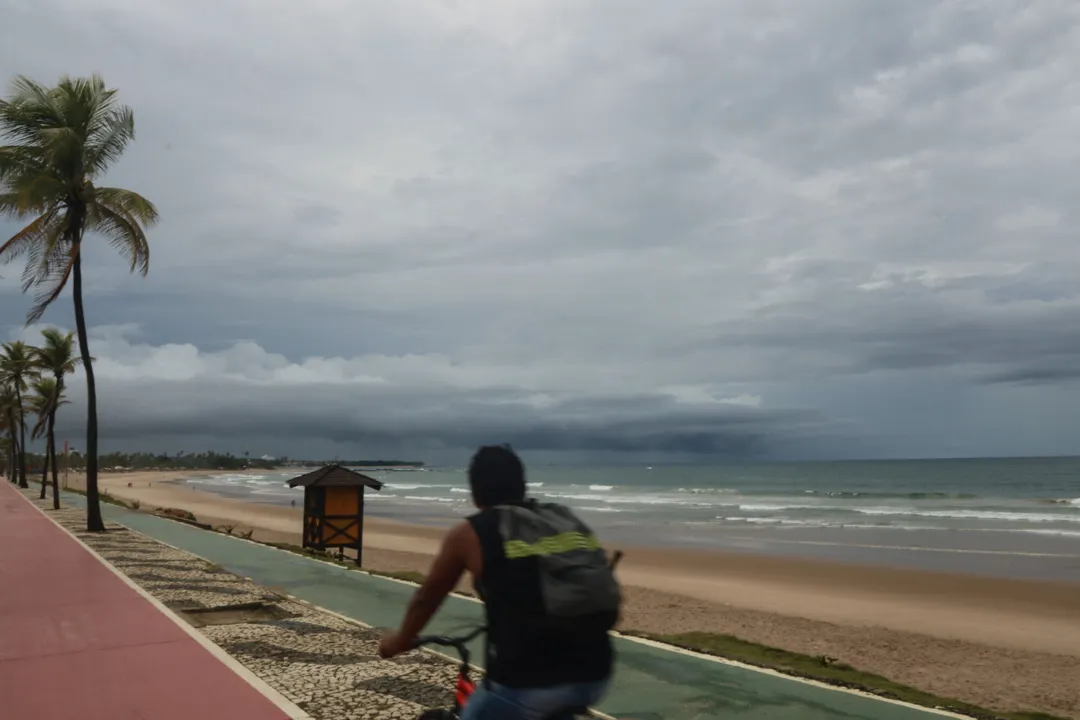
[[520, 655]]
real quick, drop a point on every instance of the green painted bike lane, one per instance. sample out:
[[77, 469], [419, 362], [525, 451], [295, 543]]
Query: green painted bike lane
[[651, 683]]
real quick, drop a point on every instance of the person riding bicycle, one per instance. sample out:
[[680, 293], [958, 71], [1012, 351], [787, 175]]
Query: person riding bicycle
[[549, 595]]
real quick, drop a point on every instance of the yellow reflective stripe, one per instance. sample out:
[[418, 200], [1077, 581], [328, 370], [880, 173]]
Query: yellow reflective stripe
[[551, 545]]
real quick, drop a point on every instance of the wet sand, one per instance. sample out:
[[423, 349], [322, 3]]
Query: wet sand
[[1002, 643]]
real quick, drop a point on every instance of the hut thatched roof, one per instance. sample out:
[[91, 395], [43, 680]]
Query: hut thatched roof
[[335, 476]]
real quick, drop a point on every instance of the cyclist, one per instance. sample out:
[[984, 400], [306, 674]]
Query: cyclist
[[549, 597]]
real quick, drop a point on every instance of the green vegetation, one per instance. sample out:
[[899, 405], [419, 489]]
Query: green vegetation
[[16, 372], [10, 404], [63, 139], [208, 460], [45, 400], [5, 443], [55, 358], [823, 669], [158, 461], [24, 368], [105, 497], [177, 514], [406, 575]]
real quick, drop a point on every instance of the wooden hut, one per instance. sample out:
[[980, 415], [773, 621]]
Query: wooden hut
[[334, 508]]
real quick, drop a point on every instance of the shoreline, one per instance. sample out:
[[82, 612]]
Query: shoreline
[[990, 534], [996, 642]]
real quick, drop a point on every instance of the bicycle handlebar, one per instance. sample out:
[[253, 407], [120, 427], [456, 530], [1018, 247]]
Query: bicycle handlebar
[[448, 641]]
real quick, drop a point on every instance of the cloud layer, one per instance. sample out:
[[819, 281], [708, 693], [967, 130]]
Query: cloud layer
[[607, 229]]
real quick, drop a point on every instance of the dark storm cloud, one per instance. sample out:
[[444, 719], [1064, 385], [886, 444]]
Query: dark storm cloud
[[495, 209], [1031, 333], [430, 417]]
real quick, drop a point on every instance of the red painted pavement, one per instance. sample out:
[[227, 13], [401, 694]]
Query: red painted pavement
[[78, 643]]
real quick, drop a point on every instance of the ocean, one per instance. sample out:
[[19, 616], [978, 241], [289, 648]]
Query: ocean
[[1014, 517]]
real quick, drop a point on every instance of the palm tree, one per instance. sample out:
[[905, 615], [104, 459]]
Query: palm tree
[[44, 402], [9, 425], [17, 370], [5, 452], [56, 358], [64, 138]]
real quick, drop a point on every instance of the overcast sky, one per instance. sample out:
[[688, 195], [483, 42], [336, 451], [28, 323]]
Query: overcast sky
[[607, 231]]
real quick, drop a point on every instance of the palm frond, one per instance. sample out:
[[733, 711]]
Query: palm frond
[[24, 241], [85, 103], [108, 139], [127, 203], [30, 195], [17, 367], [57, 354], [18, 162], [62, 138], [60, 144], [48, 397], [8, 405], [54, 283], [45, 389], [47, 256], [39, 405], [120, 215], [29, 108]]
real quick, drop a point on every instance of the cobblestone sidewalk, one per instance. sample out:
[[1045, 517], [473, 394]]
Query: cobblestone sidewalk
[[325, 664]]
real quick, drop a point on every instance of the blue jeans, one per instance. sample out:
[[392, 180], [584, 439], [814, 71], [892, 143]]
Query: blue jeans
[[544, 703]]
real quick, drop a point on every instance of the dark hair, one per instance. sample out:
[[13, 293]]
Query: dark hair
[[496, 476]]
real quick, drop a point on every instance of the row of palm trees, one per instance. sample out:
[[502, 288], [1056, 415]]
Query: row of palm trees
[[55, 145], [39, 371]]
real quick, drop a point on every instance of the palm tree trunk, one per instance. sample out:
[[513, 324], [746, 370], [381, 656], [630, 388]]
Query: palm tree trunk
[[11, 457], [52, 448], [45, 471], [14, 472], [94, 523], [13, 449], [22, 440]]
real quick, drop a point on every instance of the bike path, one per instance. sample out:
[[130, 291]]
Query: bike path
[[650, 683], [77, 641]]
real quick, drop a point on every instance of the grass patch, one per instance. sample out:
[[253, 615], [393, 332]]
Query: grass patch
[[329, 556], [105, 497], [825, 669], [406, 575]]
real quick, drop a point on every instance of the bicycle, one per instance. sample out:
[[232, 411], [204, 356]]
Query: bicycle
[[464, 687]]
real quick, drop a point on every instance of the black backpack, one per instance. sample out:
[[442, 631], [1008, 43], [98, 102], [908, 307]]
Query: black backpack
[[577, 583]]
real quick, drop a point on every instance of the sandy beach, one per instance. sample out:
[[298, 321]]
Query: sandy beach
[[1000, 643]]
